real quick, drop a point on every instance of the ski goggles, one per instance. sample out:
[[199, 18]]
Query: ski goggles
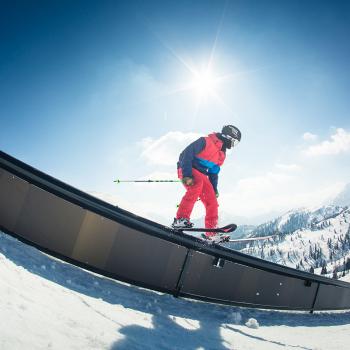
[[234, 142]]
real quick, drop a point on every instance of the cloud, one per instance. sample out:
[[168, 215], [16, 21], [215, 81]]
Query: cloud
[[338, 143], [288, 167], [263, 184], [257, 195], [274, 192], [166, 149], [308, 136]]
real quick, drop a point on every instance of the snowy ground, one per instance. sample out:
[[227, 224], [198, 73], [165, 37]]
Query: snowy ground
[[48, 304]]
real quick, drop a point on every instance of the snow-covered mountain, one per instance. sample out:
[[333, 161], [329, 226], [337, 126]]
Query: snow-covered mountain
[[343, 198], [311, 240], [297, 219]]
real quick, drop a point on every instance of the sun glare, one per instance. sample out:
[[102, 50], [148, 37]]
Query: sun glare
[[204, 83]]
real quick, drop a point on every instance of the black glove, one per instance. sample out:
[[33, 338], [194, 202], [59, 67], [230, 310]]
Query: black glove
[[187, 180]]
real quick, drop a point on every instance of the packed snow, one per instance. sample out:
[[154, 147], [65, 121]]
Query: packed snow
[[50, 304]]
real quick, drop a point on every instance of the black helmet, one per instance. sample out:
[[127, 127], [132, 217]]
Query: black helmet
[[231, 134]]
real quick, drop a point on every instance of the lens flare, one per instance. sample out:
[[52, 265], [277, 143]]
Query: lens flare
[[204, 83]]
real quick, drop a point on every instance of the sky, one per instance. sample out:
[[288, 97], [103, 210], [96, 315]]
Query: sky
[[93, 91]]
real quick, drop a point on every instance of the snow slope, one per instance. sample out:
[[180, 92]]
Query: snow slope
[[49, 304]]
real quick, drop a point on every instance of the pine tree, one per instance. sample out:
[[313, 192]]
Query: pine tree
[[262, 254], [347, 265], [324, 268]]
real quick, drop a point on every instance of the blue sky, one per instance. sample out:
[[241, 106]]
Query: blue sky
[[96, 90]]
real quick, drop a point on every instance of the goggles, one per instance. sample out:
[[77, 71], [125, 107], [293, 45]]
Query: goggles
[[234, 142]]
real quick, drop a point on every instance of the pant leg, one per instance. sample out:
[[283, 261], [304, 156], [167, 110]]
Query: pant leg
[[208, 197], [192, 193]]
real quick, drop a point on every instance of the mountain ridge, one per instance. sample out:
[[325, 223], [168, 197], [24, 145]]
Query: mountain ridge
[[311, 240]]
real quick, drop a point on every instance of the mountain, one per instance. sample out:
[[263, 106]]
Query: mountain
[[310, 240], [343, 198], [296, 219]]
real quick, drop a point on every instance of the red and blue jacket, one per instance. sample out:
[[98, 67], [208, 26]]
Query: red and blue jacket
[[206, 155]]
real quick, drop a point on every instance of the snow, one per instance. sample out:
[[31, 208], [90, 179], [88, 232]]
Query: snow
[[50, 304], [343, 198], [252, 323], [325, 243], [345, 278]]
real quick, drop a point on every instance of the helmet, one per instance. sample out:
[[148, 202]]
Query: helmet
[[231, 134]]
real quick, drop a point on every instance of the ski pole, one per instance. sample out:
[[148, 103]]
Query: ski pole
[[148, 181]]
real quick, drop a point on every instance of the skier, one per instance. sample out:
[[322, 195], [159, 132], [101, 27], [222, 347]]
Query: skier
[[198, 168]]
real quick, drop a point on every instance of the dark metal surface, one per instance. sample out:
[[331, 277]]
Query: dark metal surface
[[244, 284], [145, 258], [328, 296], [13, 192], [50, 221], [86, 231]]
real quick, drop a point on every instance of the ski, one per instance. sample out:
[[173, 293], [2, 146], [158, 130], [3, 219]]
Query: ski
[[250, 239], [225, 229], [227, 239]]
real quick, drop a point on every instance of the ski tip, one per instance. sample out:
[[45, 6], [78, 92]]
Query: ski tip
[[229, 228]]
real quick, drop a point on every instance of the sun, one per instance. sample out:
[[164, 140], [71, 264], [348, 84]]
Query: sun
[[204, 83]]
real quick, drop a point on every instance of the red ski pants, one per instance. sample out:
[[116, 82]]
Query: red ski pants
[[203, 189]]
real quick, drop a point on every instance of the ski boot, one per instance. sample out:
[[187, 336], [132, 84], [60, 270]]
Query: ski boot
[[181, 224]]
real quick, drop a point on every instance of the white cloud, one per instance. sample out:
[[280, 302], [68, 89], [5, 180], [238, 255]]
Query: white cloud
[[308, 136], [257, 195], [273, 192], [166, 149], [288, 167], [263, 184], [338, 143]]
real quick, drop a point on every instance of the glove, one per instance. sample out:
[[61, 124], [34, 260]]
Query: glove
[[217, 194], [187, 180]]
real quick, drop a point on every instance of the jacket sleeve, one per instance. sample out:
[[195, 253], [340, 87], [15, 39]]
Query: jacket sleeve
[[188, 155], [214, 178]]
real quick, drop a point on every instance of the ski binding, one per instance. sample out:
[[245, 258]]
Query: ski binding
[[225, 229], [217, 239]]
